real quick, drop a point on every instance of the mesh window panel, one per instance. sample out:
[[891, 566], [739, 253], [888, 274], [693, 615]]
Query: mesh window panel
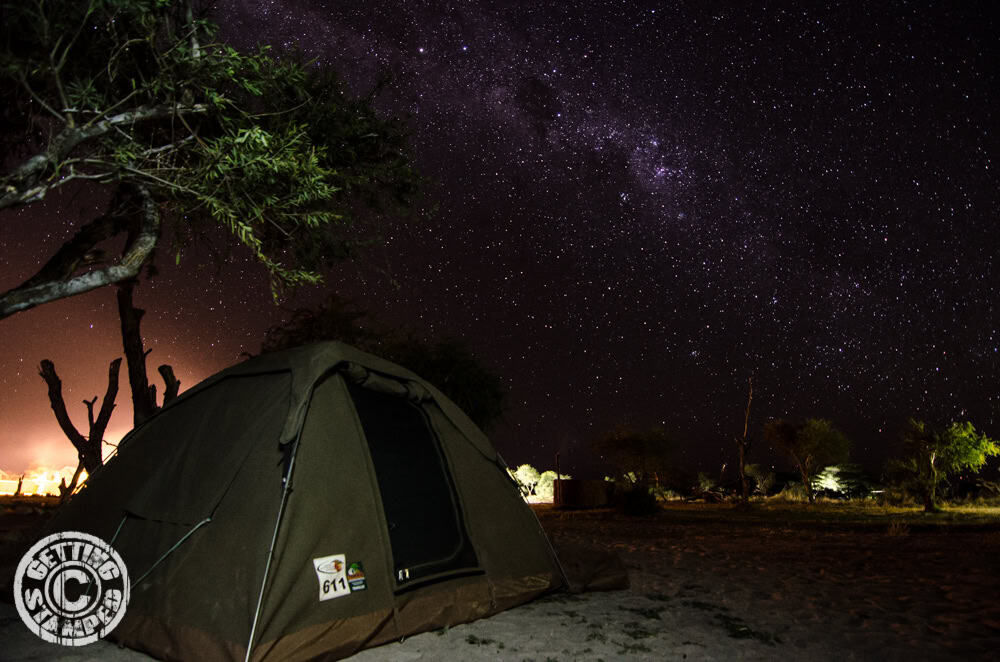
[[425, 526]]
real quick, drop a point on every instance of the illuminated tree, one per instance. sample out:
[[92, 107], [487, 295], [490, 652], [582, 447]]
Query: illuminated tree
[[133, 102], [762, 478], [848, 480], [545, 489], [811, 446], [527, 478], [931, 454]]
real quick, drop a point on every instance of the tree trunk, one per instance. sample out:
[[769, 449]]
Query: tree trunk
[[88, 448], [930, 494], [744, 447], [173, 385], [65, 491], [43, 287], [143, 396], [807, 481], [143, 393]]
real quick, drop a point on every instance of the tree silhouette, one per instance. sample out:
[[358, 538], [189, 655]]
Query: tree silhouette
[[811, 446], [134, 102], [446, 363], [931, 454]]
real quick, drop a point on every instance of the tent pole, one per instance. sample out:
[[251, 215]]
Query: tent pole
[[286, 488]]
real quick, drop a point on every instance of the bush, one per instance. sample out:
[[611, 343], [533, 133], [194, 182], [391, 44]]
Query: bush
[[637, 501], [842, 481], [793, 492], [526, 477], [896, 496], [545, 487]]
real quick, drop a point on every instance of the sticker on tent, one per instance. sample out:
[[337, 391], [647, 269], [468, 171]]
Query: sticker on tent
[[330, 571], [356, 577]]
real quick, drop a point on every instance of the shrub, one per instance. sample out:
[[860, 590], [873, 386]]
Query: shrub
[[638, 501], [792, 492], [545, 487], [842, 481]]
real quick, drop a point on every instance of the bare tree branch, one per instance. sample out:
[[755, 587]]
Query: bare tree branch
[[24, 184], [143, 406], [88, 448], [47, 370], [137, 253], [173, 384], [90, 411]]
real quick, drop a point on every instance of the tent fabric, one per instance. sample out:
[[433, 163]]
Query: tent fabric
[[243, 508]]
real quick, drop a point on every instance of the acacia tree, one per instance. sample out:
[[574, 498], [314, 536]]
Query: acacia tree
[[134, 98], [811, 446], [526, 477], [931, 454], [640, 457]]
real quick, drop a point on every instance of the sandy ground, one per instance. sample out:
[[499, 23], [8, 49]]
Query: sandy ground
[[718, 591]]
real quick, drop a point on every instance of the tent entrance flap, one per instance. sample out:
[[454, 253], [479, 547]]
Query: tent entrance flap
[[426, 532]]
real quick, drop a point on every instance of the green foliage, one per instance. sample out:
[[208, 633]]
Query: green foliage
[[811, 445], [531, 483], [447, 364], [844, 480], [268, 147], [641, 457], [706, 482], [526, 477], [545, 488], [793, 492], [706, 487], [931, 454], [763, 480]]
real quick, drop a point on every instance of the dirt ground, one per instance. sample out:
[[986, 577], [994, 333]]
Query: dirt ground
[[711, 584], [811, 589]]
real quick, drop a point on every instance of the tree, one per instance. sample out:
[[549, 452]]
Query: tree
[[848, 480], [88, 448], [931, 454], [640, 457], [743, 446], [545, 489], [446, 363], [762, 478], [132, 100], [143, 393], [811, 446], [450, 366], [526, 477]]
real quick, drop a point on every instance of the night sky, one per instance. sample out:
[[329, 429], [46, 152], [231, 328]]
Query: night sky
[[632, 207]]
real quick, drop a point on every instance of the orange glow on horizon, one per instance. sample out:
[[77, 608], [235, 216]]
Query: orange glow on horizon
[[38, 481]]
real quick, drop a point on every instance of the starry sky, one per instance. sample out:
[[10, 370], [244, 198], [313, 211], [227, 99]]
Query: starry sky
[[632, 207]]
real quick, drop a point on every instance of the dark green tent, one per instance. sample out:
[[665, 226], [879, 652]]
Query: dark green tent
[[310, 503]]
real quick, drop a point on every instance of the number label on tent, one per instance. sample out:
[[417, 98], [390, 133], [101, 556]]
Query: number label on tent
[[330, 572]]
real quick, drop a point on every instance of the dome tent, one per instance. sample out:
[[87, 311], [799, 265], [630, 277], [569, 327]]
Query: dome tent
[[309, 503]]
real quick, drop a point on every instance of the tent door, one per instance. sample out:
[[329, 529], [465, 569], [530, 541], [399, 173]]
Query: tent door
[[422, 514]]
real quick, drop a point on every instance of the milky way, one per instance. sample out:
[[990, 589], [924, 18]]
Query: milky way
[[632, 208]]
